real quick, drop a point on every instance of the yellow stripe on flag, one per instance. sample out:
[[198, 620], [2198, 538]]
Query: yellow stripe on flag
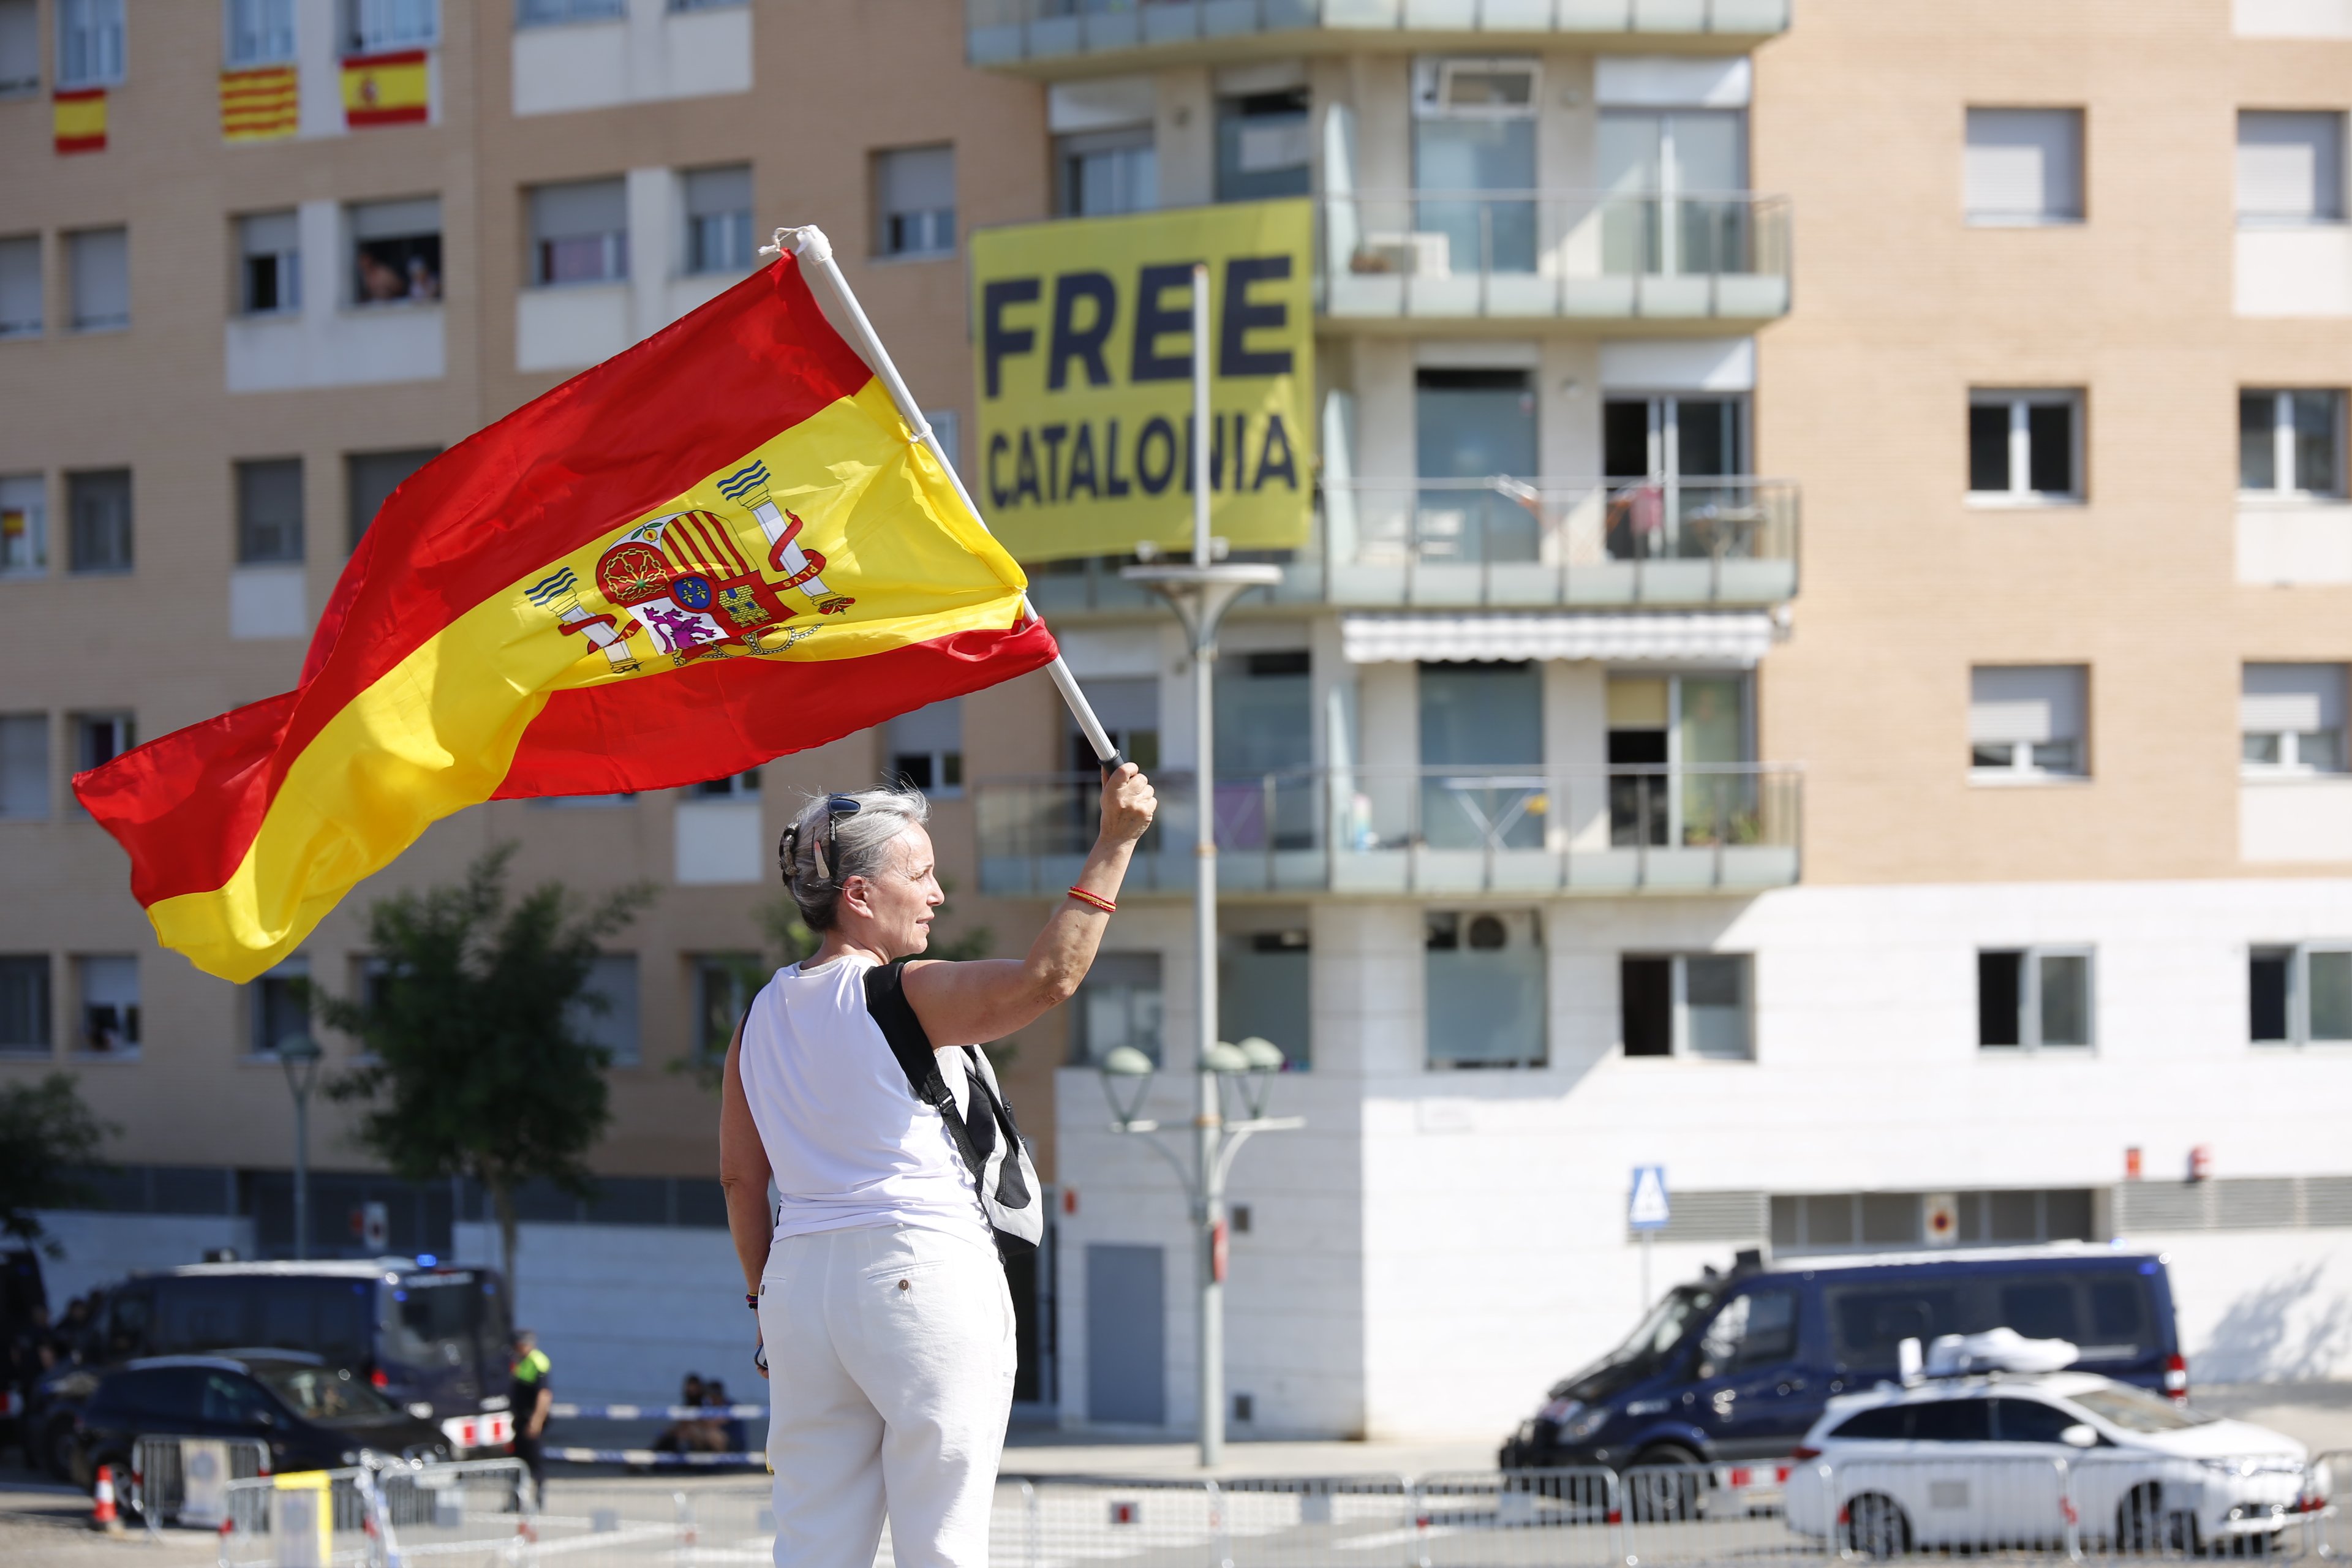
[[438, 731], [260, 105]]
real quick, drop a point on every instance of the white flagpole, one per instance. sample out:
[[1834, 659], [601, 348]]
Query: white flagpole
[[810, 244]]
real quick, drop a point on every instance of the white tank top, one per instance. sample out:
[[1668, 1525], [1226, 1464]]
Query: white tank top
[[849, 1144]]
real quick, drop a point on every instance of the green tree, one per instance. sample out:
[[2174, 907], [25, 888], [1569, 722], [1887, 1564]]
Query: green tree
[[476, 1063], [46, 1133]]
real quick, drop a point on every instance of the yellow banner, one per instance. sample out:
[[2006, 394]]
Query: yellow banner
[[1083, 343], [260, 105]]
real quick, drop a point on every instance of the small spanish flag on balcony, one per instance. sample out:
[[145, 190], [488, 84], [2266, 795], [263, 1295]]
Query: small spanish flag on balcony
[[80, 120], [720, 546], [387, 89], [260, 105]]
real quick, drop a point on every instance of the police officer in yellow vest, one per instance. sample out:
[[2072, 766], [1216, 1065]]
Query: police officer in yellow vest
[[528, 1397]]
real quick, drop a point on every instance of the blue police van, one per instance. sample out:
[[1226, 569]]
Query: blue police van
[[1739, 1366]]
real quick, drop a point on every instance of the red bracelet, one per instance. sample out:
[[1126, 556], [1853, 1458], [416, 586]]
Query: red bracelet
[[1097, 901]]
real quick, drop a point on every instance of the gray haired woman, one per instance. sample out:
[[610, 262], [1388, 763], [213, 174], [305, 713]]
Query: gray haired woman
[[880, 1292]]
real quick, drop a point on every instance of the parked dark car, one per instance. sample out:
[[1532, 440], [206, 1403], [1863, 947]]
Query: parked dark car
[[430, 1338], [1739, 1366], [22, 1291], [312, 1416]]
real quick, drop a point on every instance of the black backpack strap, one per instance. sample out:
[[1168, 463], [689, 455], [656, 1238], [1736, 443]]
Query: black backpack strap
[[885, 1001]]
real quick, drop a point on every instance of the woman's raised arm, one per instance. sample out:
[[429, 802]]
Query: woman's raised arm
[[974, 1003]]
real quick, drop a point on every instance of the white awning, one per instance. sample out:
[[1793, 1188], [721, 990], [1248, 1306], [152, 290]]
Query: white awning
[[1738, 639]]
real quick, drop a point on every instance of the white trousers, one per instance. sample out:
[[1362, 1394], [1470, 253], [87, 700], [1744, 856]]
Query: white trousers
[[890, 1360]]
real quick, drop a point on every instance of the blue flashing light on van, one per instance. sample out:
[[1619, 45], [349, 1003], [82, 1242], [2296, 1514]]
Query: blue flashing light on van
[[1739, 1366]]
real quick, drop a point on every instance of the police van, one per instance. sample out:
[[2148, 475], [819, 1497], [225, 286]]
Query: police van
[[1738, 1367]]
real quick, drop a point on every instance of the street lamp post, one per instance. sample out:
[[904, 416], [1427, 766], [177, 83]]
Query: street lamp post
[[1249, 1068], [298, 1055]]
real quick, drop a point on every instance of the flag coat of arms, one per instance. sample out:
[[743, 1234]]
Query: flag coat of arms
[[394, 88], [720, 546]]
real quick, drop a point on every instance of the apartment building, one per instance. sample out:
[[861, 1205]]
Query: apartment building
[[1958, 889]]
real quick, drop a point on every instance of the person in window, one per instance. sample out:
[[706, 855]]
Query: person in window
[[380, 282], [880, 1292], [424, 283]]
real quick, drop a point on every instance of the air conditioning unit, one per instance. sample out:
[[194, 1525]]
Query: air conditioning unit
[[1453, 88]]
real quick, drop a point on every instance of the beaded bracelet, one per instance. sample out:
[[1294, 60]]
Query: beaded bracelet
[[751, 1300], [1106, 905]]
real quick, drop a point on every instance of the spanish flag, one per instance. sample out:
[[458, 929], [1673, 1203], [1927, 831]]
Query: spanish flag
[[722, 545], [260, 105], [78, 119], [387, 89]]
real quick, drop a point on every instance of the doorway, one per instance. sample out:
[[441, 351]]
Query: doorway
[[1126, 1335], [1677, 191]]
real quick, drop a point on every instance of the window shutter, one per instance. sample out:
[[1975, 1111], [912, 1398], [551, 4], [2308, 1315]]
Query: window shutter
[[579, 210], [2290, 166], [918, 179], [715, 193], [2029, 703], [391, 220], [2024, 165], [2280, 698]]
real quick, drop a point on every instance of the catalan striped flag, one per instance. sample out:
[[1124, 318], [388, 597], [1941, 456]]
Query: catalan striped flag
[[78, 119], [387, 89], [722, 545], [262, 104]]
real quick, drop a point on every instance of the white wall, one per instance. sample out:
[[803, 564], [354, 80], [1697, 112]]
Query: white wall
[[2294, 271], [1481, 1251], [652, 53], [2292, 18], [2295, 541], [2303, 820]]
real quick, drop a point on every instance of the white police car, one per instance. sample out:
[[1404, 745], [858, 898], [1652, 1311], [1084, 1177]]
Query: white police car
[[1991, 1444]]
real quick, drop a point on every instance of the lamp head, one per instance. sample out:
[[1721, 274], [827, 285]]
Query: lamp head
[[1126, 1078], [1262, 1059], [1264, 1055], [299, 1054], [1224, 1057]]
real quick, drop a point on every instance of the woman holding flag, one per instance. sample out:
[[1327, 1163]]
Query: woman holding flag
[[881, 1296]]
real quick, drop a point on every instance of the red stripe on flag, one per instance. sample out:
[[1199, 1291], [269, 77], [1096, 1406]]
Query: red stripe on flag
[[414, 114], [559, 473], [720, 716]]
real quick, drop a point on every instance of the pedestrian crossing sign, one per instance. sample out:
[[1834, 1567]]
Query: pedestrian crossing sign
[[1647, 1208]]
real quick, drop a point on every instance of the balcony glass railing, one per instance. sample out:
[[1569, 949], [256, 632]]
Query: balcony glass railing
[[1532, 254], [1010, 32], [1420, 830]]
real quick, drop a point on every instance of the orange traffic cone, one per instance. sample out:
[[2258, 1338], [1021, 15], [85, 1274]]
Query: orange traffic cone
[[103, 1514]]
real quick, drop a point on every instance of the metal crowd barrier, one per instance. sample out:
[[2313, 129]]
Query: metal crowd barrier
[[305, 1518], [185, 1480], [652, 1457], [469, 1515]]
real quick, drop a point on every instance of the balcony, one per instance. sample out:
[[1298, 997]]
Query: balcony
[[1042, 34], [1404, 832], [1522, 256], [1501, 543]]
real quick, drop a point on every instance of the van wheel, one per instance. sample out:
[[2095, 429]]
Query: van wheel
[[1875, 1527], [1663, 1485]]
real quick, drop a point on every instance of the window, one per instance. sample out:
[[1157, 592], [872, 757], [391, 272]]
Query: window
[[270, 250], [2300, 994], [24, 766], [2024, 166], [2291, 443], [2025, 446], [20, 49], [948, 425], [2026, 723], [371, 25], [269, 511], [1755, 1330], [926, 748], [605, 1013], [1264, 978], [108, 987], [2290, 168], [90, 42], [2291, 716], [1679, 740], [724, 984], [580, 233], [719, 219], [395, 251], [277, 1004], [1480, 756], [100, 738], [1675, 178], [1952, 1421], [259, 32], [2032, 998], [1128, 707], [734, 786], [915, 205], [1118, 1003], [1473, 425], [98, 519], [370, 478], [1266, 145], [547, 13], [1485, 989], [1102, 174], [98, 269], [25, 1004], [20, 286], [1473, 158], [24, 526], [1686, 1006]]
